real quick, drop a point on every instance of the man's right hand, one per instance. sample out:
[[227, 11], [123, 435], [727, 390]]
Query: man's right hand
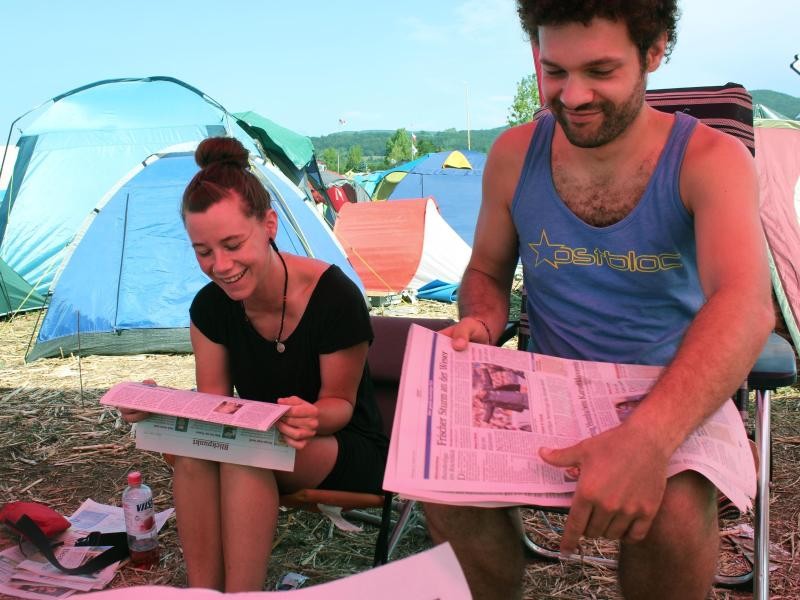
[[468, 329]]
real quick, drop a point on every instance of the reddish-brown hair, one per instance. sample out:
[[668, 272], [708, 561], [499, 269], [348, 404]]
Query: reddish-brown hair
[[224, 169]]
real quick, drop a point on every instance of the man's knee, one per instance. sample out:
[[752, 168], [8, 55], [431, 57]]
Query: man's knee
[[487, 544], [687, 517]]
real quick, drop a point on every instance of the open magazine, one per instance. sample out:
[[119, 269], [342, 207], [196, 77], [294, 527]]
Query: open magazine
[[468, 425]]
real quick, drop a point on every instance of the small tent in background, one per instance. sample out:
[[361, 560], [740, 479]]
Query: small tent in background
[[342, 190], [453, 179], [131, 274], [395, 246], [778, 166], [16, 294], [76, 146]]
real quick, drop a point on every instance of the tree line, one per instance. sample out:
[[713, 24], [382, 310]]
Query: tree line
[[381, 149]]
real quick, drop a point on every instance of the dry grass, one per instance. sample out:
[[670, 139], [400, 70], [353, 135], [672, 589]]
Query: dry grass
[[59, 446]]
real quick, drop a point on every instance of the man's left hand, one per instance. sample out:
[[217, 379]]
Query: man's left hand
[[620, 487]]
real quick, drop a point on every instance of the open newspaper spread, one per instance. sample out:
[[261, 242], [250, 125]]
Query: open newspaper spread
[[468, 425], [206, 426]]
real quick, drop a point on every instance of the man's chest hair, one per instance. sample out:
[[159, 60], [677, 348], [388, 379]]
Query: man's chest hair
[[602, 198]]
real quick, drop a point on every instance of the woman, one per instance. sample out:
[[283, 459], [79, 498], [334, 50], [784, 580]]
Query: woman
[[278, 328]]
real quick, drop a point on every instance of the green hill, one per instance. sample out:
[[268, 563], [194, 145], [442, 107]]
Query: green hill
[[783, 103], [373, 143]]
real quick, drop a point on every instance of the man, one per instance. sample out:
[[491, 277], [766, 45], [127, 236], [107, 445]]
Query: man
[[640, 242]]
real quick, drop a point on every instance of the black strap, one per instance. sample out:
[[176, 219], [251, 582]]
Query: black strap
[[119, 550]]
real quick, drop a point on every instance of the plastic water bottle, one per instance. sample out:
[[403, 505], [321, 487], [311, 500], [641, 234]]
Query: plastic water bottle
[[140, 522]]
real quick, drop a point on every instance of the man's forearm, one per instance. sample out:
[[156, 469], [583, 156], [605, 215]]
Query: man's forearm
[[484, 297], [717, 352]]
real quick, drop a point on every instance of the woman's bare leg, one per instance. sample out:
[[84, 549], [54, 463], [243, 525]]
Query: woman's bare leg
[[195, 488]]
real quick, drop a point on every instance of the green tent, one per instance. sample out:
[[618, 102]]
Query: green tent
[[290, 151], [16, 294]]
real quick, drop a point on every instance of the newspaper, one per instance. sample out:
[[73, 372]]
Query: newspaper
[[468, 425], [211, 441], [225, 410], [25, 573], [430, 575]]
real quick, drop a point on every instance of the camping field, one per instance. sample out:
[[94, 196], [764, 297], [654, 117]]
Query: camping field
[[59, 446]]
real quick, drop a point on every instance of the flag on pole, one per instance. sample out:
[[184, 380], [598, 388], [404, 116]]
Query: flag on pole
[[413, 144]]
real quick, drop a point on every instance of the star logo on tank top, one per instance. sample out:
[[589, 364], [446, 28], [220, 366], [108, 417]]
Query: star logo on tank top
[[545, 251], [631, 261]]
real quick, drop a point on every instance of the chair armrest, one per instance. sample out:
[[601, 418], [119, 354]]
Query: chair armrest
[[775, 366]]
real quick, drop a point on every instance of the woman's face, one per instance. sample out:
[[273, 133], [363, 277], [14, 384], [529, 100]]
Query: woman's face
[[230, 247]]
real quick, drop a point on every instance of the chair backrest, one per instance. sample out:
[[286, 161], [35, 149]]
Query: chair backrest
[[385, 358]]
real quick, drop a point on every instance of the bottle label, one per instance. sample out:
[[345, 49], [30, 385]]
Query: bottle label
[[139, 517]]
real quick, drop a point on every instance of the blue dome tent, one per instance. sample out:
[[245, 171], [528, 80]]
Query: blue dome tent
[[130, 274]]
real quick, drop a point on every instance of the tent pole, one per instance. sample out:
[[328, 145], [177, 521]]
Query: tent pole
[[80, 368]]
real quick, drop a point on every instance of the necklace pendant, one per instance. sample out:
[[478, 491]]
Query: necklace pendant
[[280, 347]]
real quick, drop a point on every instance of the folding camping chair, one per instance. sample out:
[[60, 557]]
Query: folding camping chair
[[385, 360], [730, 109]]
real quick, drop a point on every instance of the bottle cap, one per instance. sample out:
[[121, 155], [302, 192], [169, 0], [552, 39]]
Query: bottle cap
[[134, 478]]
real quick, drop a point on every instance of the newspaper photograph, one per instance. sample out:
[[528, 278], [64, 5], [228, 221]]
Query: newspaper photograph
[[468, 425], [225, 410]]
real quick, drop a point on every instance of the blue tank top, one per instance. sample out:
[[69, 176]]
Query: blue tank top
[[623, 293]]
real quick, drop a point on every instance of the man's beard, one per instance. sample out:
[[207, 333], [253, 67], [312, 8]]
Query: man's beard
[[615, 118]]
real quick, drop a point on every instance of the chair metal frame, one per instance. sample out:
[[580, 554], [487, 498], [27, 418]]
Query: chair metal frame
[[385, 360], [774, 368]]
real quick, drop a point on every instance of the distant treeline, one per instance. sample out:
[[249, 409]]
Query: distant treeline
[[373, 143], [783, 103]]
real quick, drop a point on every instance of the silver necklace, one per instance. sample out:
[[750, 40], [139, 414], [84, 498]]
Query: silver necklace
[[279, 345]]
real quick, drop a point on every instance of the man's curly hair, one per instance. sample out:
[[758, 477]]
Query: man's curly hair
[[646, 19]]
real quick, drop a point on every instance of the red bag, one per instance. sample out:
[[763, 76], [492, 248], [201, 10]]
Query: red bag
[[49, 521]]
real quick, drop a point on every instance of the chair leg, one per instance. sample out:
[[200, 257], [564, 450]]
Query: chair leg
[[407, 506], [382, 544], [761, 541]]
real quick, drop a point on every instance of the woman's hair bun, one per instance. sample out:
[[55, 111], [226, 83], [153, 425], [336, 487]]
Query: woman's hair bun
[[221, 150]]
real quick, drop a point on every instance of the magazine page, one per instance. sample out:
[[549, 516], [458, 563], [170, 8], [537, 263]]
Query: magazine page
[[225, 410], [469, 425]]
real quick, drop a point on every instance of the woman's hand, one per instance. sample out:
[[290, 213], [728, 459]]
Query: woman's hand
[[299, 424], [131, 415]]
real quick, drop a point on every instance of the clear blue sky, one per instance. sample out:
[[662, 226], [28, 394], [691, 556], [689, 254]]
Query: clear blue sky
[[417, 64]]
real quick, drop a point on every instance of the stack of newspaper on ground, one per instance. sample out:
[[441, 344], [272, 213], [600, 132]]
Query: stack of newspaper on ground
[[25, 573], [468, 425]]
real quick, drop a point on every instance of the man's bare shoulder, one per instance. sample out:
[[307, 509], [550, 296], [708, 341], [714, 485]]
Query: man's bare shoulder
[[513, 141], [715, 161], [504, 163], [709, 144]]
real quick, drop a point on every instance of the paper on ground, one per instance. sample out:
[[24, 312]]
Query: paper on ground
[[32, 577]]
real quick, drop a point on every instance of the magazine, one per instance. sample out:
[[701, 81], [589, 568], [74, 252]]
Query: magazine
[[468, 425]]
